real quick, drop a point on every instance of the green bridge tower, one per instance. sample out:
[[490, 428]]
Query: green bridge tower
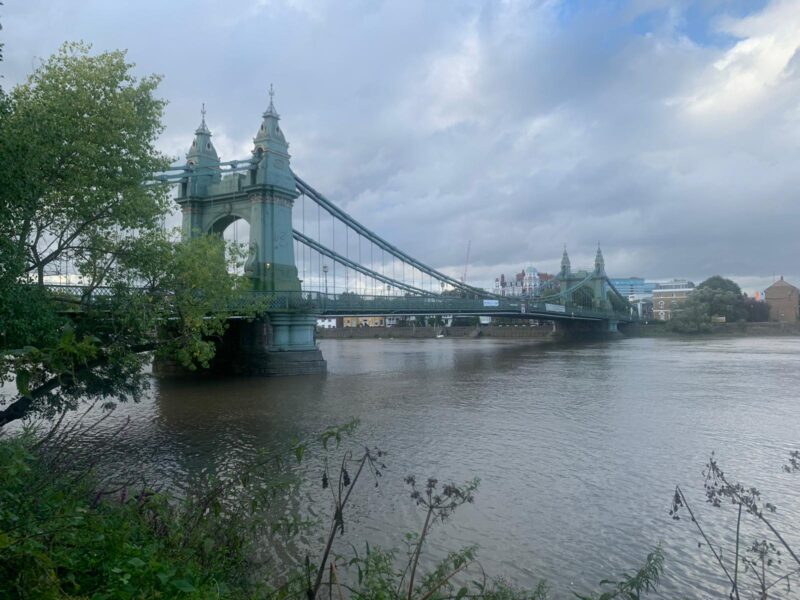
[[281, 342], [589, 288]]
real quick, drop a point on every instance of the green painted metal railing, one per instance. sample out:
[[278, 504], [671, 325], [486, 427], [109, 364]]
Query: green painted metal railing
[[350, 304]]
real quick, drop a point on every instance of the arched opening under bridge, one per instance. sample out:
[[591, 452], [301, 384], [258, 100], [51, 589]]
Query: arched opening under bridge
[[235, 230]]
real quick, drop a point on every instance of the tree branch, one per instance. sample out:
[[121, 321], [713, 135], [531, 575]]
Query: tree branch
[[19, 409]]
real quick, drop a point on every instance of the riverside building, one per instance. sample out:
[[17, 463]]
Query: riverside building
[[527, 283], [669, 296], [784, 302]]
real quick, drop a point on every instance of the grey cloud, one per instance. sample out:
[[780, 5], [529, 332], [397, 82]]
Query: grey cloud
[[520, 126]]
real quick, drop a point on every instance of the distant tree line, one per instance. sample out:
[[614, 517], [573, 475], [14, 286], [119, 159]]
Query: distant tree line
[[716, 298]]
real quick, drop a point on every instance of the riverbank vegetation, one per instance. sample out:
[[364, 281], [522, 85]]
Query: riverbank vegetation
[[69, 531], [759, 562]]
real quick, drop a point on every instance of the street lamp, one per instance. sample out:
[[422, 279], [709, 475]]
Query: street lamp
[[325, 270]]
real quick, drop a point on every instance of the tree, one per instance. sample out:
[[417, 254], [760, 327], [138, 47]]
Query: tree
[[717, 282], [715, 297], [691, 317], [724, 298], [757, 311], [77, 147]]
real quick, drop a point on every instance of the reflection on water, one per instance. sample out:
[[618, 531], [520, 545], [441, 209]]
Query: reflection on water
[[578, 447]]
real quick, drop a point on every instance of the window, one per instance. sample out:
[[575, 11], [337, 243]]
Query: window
[[661, 304]]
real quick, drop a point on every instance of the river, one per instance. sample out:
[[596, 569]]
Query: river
[[578, 447]]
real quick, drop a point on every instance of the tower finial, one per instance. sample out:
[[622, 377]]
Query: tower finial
[[599, 261], [271, 98], [565, 266], [203, 128]]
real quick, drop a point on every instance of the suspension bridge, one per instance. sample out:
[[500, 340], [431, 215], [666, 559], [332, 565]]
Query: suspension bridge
[[310, 259]]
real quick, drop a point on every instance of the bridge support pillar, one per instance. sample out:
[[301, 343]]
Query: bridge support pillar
[[279, 345], [272, 346], [292, 333], [586, 330]]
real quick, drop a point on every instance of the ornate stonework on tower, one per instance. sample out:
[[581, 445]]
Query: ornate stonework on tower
[[263, 197], [599, 263], [565, 266], [282, 341], [589, 287]]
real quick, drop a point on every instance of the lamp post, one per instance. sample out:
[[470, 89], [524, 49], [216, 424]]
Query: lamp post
[[325, 271]]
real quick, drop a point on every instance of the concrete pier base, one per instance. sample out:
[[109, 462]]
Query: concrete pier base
[[586, 330], [284, 363], [274, 346]]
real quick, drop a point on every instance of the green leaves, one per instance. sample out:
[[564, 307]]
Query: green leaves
[[299, 450], [339, 432], [54, 543], [183, 586], [633, 587], [715, 297]]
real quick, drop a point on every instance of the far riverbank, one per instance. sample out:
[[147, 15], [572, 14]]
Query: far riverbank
[[545, 332], [656, 329]]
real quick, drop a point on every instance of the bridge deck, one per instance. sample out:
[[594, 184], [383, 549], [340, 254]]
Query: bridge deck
[[350, 304]]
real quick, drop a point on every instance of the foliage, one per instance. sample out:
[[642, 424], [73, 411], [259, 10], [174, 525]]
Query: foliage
[[756, 311], [100, 350], [722, 284], [77, 147], [632, 587], [690, 318], [715, 297], [65, 531], [762, 556], [379, 574], [60, 538]]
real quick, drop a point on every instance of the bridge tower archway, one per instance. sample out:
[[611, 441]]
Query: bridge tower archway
[[234, 229], [263, 197], [282, 340]]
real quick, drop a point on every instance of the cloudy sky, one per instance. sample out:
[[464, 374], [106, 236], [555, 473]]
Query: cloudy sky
[[667, 131]]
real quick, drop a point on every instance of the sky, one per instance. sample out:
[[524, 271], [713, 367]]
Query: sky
[[668, 132]]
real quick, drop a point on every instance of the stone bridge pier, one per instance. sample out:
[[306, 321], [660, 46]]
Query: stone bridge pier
[[576, 329], [272, 346]]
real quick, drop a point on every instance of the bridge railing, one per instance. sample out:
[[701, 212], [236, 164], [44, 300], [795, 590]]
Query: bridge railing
[[357, 304], [348, 303]]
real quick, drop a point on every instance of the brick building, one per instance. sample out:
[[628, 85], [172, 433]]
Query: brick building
[[668, 297], [784, 302]]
